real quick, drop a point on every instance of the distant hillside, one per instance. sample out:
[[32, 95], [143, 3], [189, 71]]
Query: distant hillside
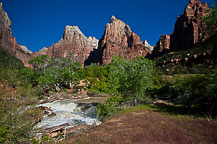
[[8, 61], [200, 57]]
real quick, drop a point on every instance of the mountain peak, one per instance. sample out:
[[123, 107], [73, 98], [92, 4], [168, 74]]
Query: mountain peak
[[194, 1], [70, 31], [113, 18]]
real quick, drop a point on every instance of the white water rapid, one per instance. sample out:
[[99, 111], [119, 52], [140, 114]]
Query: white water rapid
[[67, 112]]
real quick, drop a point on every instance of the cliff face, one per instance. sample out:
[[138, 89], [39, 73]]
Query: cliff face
[[187, 32], [74, 41], [24, 54], [119, 40], [8, 43]]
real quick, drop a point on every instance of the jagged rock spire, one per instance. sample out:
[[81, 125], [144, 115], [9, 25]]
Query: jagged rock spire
[[119, 40]]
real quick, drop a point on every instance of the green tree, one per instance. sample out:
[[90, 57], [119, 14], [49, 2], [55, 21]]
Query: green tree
[[132, 79], [129, 82], [97, 77], [211, 19], [40, 62]]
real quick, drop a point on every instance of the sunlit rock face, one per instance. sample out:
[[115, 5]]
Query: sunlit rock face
[[41, 52], [187, 32], [119, 40], [148, 45], [9, 43], [24, 54], [74, 41]]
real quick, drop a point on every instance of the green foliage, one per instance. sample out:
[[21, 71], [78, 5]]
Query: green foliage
[[8, 65], [3, 132], [211, 19], [97, 77], [45, 138], [192, 91], [132, 79], [108, 108], [128, 80], [16, 123], [40, 62], [8, 61], [52, 74]]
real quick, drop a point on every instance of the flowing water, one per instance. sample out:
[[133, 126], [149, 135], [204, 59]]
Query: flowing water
[[67, 112]]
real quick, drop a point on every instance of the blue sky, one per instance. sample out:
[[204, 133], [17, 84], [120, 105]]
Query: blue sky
[[39, 23]]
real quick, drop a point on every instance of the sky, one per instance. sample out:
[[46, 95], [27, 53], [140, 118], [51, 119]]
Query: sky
[[40, 23]]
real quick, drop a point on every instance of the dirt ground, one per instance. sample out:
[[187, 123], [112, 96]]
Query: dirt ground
[[149, 127]]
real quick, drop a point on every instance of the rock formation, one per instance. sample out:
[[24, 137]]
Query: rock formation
[[8, 43], [73, 41], [24, 54], [148, 45], [41, 52], [187, 32], [119, 40], [24, 49]]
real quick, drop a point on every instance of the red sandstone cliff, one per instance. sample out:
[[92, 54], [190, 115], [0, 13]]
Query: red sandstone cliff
[[119, 40], [8, 43], [187, 32]]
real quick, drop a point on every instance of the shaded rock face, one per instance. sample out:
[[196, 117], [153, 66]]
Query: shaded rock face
[[119, 40], [187, 32], [8, 43], [74, 41]]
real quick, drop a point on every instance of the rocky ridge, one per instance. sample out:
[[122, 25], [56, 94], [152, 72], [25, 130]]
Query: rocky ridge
[[118, 39], [74, 41], [40, 52]]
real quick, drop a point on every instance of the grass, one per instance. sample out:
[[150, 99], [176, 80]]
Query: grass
[[150, 124], [177, 111]]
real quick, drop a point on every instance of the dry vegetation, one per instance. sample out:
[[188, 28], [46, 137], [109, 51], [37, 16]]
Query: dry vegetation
[[149, 126]]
